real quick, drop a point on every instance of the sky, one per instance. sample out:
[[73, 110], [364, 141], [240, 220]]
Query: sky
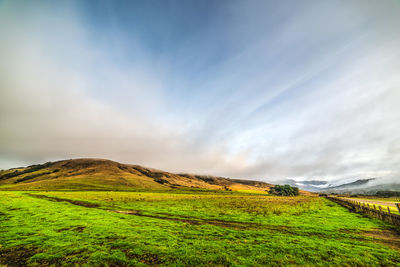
[[266, 90]]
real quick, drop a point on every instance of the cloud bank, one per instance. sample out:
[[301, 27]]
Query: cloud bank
[[258, 89]]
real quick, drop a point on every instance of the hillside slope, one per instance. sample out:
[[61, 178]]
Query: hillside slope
[[100, 174]]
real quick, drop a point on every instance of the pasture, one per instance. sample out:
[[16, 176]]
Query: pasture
[[195, 228]]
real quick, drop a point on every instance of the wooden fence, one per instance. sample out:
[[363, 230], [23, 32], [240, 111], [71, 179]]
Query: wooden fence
[[370, 210]]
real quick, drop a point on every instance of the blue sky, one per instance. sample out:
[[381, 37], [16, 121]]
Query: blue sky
[[248, 89]]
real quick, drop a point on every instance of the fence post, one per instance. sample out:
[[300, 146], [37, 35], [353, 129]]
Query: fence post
[[388, 209], [374, 207], [398, 207]]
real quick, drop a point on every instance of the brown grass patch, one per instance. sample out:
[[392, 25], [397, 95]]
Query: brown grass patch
[[388, 237]]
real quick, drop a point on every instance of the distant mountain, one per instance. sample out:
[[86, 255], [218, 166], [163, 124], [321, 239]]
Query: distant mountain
[[360, 186], [369, 190], [364, 186], [101, 174], [358, 183], [311, 185], [314, 182]]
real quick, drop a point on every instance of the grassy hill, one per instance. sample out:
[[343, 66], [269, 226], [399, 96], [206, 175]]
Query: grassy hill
[[100, 174]]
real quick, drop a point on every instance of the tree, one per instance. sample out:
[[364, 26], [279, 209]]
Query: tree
[[284, 190]]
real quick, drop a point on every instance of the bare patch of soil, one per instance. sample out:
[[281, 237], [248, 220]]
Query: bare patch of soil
[[17, 256], [78, 229]]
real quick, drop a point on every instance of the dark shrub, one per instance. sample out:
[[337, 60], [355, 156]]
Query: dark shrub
[[284, 190]]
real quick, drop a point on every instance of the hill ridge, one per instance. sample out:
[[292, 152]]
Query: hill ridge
[[104, 174]]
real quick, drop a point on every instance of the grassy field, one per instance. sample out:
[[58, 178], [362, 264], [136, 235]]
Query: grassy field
[[187, 228]]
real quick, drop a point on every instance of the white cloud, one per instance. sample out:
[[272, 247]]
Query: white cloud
[[302, 100]]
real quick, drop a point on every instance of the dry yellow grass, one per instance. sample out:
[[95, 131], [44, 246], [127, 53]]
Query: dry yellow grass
[[100, 174]]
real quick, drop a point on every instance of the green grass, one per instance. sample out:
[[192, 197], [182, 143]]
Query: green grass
[[185, 228]]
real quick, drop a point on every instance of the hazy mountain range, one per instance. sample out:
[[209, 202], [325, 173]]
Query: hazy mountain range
[[365, 186]]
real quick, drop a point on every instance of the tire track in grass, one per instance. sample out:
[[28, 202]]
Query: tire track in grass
[[165, 216], [74, 202], [191, 220], [199, 221]]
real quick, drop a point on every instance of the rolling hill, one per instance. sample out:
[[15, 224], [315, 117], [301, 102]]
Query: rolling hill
[[101, 174]]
